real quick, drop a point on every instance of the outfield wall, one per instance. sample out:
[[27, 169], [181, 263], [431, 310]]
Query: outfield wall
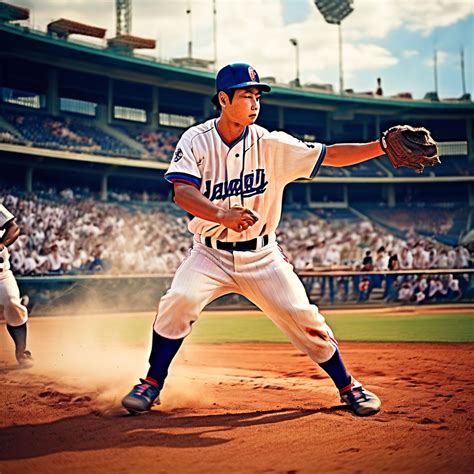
[[86, 294]]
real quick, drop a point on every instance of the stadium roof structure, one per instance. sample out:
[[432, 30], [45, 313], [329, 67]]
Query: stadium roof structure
[[10, 12], [33, 45], [63, 28], [132, 42]]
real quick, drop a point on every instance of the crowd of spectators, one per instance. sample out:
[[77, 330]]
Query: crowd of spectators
[[71, 232], [435, 220], [6, 136], [160, 144], [81, 235], [313, 242]]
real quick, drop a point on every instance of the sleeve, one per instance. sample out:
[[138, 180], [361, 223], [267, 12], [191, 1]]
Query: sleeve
[[183, 167], [5, 216], [294, 158]]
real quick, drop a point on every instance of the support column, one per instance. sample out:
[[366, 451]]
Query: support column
[[110, 100], [154, 120], [328, 137], [104, 187], [207, 111], [345, 194], [307, 194], [470, 138], [391, 196], [52, 99], [377, 126], [281, 118], [365, 131], [101, 114], [29, 179], [470, 194]]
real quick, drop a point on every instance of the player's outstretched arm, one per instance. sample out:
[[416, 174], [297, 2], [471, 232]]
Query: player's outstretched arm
[[11, 234], [347, 154], [191, 200]]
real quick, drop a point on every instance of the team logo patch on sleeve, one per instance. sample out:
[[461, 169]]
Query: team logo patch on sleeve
[[178, 155]]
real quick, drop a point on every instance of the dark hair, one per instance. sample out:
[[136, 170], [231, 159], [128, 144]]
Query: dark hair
[[230, 94]]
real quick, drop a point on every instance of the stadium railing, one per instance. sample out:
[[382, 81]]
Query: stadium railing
[[93, 294]]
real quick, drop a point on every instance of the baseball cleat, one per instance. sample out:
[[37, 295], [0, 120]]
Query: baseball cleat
[[141, 398], [24, 359], [361, 401]]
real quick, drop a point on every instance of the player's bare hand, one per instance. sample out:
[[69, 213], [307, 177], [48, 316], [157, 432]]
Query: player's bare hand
[[1, 246], [238, 218]]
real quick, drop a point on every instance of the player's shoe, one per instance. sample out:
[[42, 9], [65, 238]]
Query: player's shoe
[[142, 397], [25, 359], [361, 401]]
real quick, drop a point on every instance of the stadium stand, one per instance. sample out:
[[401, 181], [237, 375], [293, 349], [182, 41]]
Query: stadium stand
[[457, 165], [7, 136], [369, 168], [446, 225], [66, 133], [160, 143]]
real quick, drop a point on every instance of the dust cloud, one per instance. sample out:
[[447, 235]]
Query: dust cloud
[[103, 356]]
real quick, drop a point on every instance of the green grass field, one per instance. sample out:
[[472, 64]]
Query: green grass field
[[422, 327], [219, 327]]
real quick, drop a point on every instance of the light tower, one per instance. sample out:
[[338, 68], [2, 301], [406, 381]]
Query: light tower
[[124, 17], [334, 11]]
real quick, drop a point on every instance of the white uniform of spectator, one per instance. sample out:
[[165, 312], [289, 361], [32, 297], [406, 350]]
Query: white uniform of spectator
[[405, 293], [406, 259], [462, 257], [451, 258], [442, 261], [333, 256]]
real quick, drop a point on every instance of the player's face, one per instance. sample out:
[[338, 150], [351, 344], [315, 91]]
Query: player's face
[[244, 107]]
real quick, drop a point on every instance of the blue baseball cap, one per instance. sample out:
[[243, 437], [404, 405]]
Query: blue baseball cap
[[238, 76]]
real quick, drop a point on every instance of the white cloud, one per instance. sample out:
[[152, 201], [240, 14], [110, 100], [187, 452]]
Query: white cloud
[[410, 53], [428, 15], [442, 58], [377, 18], [256, 32], [367, 57]]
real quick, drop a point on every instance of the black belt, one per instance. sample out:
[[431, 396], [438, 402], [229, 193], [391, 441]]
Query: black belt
[[242, 246]]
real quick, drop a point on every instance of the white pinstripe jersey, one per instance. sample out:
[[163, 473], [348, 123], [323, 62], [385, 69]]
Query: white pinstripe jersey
[[251, 172]]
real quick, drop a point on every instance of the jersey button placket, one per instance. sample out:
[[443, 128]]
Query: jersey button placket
[[234, 169]]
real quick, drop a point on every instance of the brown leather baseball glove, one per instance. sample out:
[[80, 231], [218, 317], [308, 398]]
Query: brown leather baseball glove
[[411, 147]]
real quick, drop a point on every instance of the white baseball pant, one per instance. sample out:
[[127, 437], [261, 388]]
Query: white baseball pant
[[13, 311], [264, 277]]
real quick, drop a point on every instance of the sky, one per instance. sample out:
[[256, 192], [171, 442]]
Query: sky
[[391, 39]]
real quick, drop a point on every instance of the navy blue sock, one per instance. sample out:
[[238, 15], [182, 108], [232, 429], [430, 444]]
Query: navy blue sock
[[336, 369], [163, 351], [18, 334]]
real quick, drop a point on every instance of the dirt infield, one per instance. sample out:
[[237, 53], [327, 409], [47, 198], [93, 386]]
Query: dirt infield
[[231, 408]]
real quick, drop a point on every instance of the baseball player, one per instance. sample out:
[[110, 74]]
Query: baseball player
[[14, 312], [230, 173]]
